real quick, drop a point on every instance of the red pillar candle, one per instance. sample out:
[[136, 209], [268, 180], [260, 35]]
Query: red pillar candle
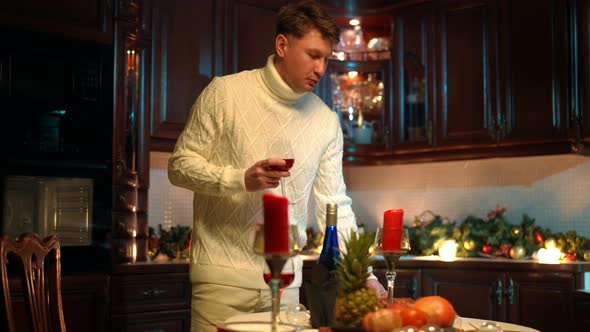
[[392, 230], [276, 224]]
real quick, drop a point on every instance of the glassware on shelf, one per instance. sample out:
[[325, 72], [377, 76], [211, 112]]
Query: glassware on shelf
[[358, 99]]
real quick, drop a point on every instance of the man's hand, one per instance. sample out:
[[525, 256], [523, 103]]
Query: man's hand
[[376, 285], [265, 174]]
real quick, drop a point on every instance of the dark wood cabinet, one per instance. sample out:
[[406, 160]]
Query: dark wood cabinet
[[533, 67], [530, 297], [524, 293], [194, 42], [520, 296], [85, 20], [414, 79], [185, 38], [581, 118], [472, 293], [150, 297], [581, 309], [466, 91], [407, 282]]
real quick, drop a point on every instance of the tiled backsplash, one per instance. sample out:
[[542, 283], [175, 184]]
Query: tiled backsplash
[[555, 190]]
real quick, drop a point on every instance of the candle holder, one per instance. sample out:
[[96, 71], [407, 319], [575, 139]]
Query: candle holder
[[391, 259], [275, 263]]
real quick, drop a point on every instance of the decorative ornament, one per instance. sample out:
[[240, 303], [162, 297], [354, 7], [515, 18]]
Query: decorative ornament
[[487, 249], [587, 255], [517, 252], [570, 257], [538, 236], [469, 244], [497, 213], [503, 250], [515, 232]]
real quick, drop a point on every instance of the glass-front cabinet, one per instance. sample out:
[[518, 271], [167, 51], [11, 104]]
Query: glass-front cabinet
[[358, 86], [358, 92]]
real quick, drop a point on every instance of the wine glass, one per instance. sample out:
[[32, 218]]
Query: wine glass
[[281, 148], [287, 275], [298, 315], [273, 273], [391, 257]]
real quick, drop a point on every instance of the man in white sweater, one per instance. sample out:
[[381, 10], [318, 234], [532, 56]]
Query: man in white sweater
[[222, 156]]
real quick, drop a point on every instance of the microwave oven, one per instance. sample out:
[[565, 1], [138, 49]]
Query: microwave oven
[[49, 205]]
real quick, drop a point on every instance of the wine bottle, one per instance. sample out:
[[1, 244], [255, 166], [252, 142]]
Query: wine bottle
[[330, 252]]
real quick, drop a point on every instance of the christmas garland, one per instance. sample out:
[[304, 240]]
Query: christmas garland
[[493, 237]]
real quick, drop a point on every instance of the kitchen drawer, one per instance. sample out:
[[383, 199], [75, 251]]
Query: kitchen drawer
[[166, 321], [150, 292]]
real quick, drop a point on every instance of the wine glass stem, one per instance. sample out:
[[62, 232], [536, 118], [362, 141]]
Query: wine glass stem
[[283, 190], [390, 275], [275, 285]]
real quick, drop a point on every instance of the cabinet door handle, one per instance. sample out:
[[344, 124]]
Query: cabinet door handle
[[510, 291], [492, 130], [153, 292], [499, 291], [414, 288], [429, 132]]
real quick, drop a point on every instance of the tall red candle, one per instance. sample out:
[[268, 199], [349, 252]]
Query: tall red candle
[[392, 230], [276, 224]]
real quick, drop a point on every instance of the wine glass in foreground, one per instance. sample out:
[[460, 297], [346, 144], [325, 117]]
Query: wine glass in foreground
[[391, 257], [273, 274], [280, 148]]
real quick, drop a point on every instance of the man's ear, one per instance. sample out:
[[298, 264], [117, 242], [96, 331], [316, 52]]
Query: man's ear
[[281, 45]]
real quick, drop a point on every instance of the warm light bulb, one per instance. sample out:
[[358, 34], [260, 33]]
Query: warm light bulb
[[448, 250], [354, 22], [548, 256], [352, 74]]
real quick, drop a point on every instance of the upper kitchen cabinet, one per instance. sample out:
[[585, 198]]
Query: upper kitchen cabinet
[[466, 90], [502, 78], [486, 78], [413, 96], [84, 20], [534, 67], [582, 116], [183, 63], [358, 86], [194, 41]]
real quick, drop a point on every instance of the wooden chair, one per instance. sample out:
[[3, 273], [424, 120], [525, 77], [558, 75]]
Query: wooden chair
[[42, 292]]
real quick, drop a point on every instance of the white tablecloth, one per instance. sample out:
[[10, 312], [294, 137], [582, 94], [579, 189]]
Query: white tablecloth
[[467, 324]]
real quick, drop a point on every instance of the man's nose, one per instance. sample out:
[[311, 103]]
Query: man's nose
[[320, 67]]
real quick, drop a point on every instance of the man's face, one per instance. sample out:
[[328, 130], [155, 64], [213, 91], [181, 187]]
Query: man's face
[[304, 60]]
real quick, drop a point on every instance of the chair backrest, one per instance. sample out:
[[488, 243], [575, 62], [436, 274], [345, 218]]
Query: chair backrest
[[42, 291]]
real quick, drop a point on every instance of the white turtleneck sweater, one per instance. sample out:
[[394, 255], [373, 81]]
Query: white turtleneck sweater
[[230, 128]]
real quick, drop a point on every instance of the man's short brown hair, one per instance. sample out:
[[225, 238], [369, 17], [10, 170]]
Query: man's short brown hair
[[298, 19]]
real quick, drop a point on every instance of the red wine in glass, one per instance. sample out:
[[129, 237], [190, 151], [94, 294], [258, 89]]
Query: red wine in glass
[[288, 164], [286, 279]]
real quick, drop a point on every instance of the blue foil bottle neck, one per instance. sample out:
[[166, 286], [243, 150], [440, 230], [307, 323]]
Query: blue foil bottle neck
[[330, 252]]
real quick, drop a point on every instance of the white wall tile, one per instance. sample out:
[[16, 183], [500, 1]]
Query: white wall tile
[[555, 190]]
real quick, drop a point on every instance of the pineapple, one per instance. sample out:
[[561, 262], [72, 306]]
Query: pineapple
[[354, 299]]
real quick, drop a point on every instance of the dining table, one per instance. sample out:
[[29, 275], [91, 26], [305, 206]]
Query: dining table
[[464, 323]]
